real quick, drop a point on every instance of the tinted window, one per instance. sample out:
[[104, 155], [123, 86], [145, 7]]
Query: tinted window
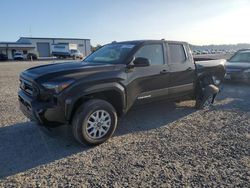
[[153, 52], [176, 53], [74, 51], [111, 53]]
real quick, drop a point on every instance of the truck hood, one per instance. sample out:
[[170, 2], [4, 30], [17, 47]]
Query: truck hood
[[68, 69]]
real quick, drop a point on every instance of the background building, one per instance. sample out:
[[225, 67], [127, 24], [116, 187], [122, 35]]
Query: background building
[[9, 48], [42, 46]]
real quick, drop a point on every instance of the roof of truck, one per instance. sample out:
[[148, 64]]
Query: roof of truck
[[144, 41]]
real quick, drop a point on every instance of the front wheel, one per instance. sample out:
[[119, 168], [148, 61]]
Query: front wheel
[[94, 122]]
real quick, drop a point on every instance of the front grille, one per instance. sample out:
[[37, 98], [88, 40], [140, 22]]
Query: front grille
[[27, 87]]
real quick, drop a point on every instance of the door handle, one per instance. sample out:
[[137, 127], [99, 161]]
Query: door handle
[[164, 71], [189, 69]]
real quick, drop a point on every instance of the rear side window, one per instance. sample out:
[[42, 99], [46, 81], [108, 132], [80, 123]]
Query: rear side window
[[153, 52], [176, 53]]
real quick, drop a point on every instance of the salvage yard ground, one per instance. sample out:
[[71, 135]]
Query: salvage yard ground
[[162, 144]]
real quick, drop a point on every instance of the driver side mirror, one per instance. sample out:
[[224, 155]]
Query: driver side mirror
[[139, 62]]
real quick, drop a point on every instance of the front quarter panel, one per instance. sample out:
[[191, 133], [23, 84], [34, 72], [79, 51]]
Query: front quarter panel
[[93, 84]]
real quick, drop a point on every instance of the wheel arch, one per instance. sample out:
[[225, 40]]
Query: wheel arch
[[114, 93]]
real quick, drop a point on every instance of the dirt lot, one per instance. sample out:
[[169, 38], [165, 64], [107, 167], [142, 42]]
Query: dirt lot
[[158, 145]]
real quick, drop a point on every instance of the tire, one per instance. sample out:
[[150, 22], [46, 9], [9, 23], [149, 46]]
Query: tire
[[86, 129], [205, 102]]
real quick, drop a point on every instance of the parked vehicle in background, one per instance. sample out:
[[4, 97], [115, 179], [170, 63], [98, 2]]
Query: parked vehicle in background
[[197, 52], [92, 94], [32, 56], [18, 56], [3, 57], [205, 52], [66, 51], [238, 66], [213, 51], [76, 54]]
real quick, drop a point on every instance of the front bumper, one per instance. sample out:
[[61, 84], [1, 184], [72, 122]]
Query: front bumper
[[44, 113]]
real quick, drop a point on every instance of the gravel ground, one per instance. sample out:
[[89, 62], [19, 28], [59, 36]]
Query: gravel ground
[[173, 146]]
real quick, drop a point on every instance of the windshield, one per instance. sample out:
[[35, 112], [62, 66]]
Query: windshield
[[111, 53], [74, 51], [241, 57]]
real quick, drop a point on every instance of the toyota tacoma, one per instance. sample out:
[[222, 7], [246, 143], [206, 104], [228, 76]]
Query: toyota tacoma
[[90, 95]]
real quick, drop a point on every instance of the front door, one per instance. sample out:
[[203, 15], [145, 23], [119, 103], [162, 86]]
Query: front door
[[151, 82]]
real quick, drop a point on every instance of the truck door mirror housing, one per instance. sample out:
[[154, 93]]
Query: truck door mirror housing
[[141, 62]]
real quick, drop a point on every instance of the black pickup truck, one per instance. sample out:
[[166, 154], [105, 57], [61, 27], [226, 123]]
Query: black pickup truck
[[92, 94]]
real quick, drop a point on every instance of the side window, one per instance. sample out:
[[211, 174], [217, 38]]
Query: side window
[[176, 53], [153, 52]]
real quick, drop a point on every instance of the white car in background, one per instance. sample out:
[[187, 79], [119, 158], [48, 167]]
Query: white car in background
[[76, 54], [18, 56]]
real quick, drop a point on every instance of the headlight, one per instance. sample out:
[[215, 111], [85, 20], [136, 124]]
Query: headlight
[[57, 87]]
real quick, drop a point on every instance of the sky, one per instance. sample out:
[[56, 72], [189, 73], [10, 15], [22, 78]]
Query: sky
[[199, 22]]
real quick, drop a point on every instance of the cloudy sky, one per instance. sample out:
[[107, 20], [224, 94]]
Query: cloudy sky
[[103, 21]]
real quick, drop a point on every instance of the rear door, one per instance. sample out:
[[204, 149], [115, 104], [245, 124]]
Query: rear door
[[182, 69], [148, 83]]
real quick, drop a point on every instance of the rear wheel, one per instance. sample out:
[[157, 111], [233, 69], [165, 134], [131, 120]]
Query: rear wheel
[[206, 102], [94, 122]]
